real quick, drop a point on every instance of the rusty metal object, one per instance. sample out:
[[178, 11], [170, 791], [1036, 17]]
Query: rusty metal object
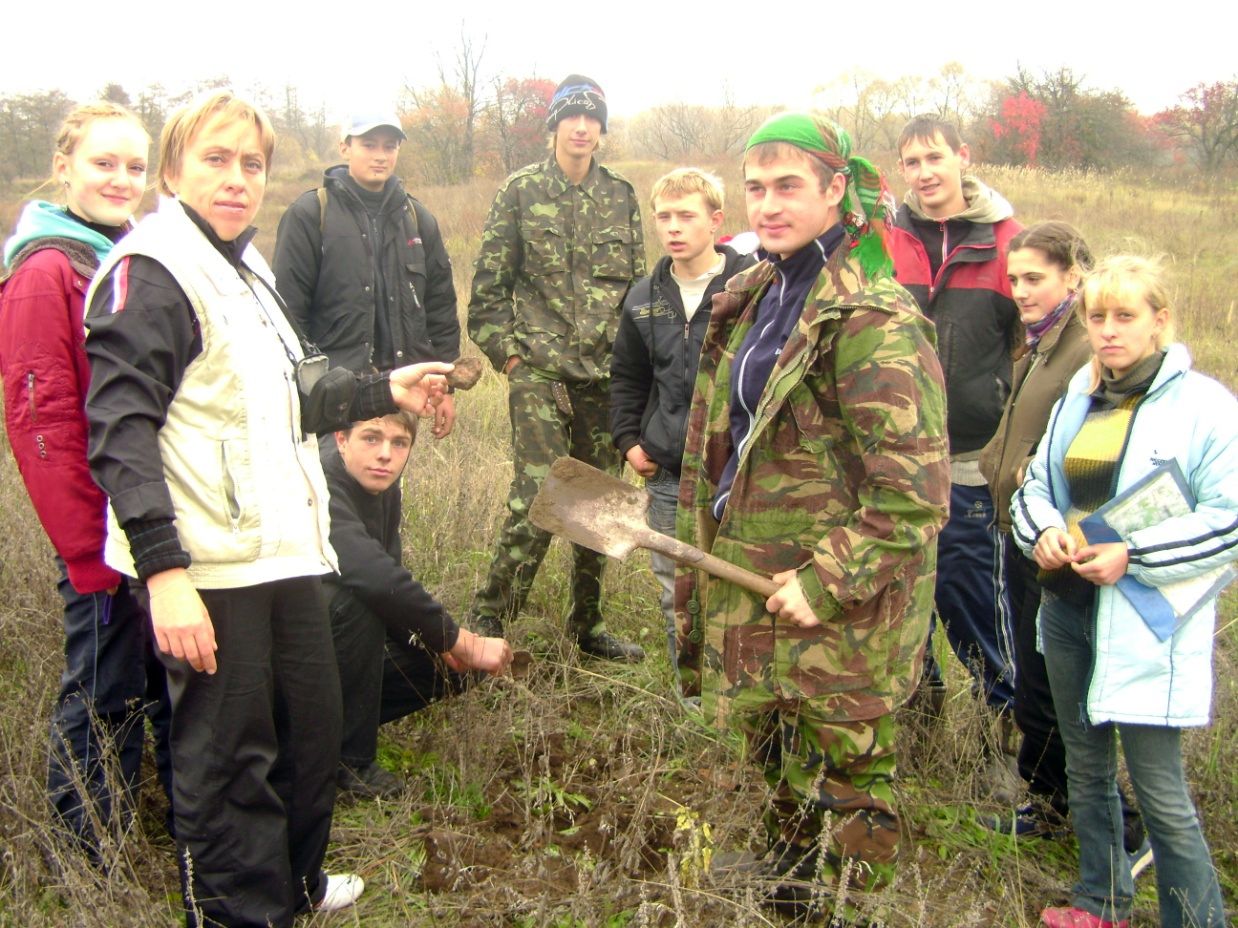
[[522, 664], [465, 374], [603, 513]]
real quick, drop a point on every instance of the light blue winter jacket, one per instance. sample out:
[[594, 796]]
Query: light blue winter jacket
[[1137, 678]]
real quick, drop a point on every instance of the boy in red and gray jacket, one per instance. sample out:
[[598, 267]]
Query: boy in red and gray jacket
[[949, 251]]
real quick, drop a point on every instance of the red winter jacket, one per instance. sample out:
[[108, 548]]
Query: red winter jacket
[[43, 363], [977, 320]]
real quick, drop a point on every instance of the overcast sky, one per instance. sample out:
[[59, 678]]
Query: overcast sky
[[642, 52]]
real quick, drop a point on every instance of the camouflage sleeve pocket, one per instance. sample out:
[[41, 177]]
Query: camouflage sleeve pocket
[[612, 253]]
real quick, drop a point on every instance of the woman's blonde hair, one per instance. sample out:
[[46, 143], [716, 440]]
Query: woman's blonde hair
[[76, 124], [184, 124], [1125, 280], [80, 117]]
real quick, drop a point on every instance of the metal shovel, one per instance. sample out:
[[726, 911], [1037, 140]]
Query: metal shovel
[[603, 513]]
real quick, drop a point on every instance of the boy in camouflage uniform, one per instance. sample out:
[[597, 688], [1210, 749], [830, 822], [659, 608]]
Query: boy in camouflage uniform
[[561, 246], [816, 453]]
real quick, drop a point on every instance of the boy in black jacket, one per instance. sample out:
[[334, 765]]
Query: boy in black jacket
[[397, 648], [361, 263], [658, 346]]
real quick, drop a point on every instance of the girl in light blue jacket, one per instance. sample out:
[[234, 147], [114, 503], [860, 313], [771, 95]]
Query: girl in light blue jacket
[[1112, 669]]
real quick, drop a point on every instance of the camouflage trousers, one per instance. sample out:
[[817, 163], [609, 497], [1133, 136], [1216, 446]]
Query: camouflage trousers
[[549, 419], [832, 790]]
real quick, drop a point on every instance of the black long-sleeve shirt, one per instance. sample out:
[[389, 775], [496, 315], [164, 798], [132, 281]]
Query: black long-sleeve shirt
[[365, 533]]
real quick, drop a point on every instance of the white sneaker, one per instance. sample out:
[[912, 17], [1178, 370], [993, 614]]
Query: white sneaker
[[343, 889]]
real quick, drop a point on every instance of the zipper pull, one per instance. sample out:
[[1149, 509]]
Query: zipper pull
[[34, 413]]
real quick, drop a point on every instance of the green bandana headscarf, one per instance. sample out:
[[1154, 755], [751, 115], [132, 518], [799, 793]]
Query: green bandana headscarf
[[867, 206]]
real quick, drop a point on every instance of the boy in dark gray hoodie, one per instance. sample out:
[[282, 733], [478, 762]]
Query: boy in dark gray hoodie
[[656, 351]]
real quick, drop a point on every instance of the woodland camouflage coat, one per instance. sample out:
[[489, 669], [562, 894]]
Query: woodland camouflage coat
[[846, 478]]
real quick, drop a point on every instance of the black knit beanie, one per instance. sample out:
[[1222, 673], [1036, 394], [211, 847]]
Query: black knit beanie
[[577, 94]]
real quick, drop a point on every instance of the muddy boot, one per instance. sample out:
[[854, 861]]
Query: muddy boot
[[796, 889], [929, 701], [604, 645], [369, 781], [488, 626], [1031, 820], [1001, 764], [586, 625]]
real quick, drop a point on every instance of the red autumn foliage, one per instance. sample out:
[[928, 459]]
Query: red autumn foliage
[[1018, 125]]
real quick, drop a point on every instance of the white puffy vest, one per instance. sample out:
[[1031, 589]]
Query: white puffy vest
[[247, 487]]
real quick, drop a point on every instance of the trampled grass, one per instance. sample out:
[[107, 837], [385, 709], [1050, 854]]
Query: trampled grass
[[582, 794]]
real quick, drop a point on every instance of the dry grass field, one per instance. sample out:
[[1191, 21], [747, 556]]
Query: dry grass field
[[582, 794]]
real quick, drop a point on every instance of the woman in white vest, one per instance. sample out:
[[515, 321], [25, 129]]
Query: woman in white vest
[[202, 410]]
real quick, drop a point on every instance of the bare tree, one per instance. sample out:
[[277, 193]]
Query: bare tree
[[679, 131], [956, 96], [115, 93], [1206, 124], [467, 74], [868, 107], [443, 120], [733, 124], [28, 125]]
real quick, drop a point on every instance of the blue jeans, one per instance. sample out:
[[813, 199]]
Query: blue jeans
[[1186, 882], [112, 681], [663, 490]]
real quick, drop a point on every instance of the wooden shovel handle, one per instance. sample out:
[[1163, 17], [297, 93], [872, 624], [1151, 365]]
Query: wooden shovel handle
[[685, 554]]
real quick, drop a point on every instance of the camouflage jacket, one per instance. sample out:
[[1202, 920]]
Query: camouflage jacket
[[556, 261], [846, 478]]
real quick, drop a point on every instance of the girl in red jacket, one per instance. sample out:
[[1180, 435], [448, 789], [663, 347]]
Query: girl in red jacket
[[100, 165]]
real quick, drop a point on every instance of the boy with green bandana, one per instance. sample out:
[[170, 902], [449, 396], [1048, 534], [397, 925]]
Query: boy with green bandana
[[816, 453]]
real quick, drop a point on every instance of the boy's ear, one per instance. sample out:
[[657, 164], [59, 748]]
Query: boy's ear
[[344, 143], [837, 188], [965, 155], [715, 221], [341, 439]]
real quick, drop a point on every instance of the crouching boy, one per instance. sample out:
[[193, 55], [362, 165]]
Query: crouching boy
[[397, 648], [659, 345]]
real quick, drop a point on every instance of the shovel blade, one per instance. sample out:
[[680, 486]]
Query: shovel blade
[[591, 508]]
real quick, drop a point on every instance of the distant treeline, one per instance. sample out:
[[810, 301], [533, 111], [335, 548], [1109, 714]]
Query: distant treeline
[[469, 124], [29, 122]]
